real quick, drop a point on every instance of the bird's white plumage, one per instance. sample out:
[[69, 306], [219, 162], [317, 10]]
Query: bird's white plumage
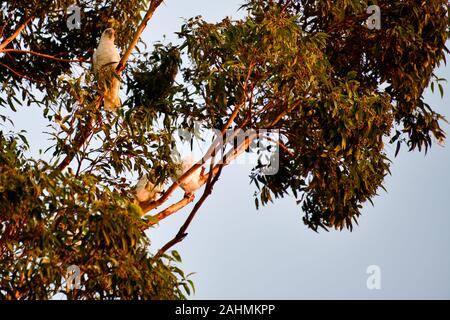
[[194, 181], [106, 56], [148, 191]]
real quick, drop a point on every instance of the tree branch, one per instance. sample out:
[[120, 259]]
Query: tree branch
[[154, 4], [182, 232], [150, 205], [16, 33], [228, 158], [17, 73], [170, 210], [181, 204]]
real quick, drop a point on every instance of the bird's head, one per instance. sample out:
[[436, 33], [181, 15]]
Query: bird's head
[[108, 34]]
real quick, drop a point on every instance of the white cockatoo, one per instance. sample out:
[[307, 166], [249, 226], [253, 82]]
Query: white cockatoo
[[194, 182], [105, 60], [148, 191]]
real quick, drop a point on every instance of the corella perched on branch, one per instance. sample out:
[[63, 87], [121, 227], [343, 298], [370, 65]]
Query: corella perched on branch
[[147, 190], [194, 182], [105, 60]]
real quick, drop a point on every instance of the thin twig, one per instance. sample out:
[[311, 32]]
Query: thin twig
[[282, 146], [17, 73], [42, 55], [80, 138]]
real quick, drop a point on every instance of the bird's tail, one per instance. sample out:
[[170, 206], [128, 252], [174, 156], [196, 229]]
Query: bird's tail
[[111, 96]]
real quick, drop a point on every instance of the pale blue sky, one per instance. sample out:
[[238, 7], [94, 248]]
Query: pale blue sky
[[238, 252]]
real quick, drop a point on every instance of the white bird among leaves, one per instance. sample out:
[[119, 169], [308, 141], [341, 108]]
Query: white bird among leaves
[[194, 181], [105, 60], [148, 191]]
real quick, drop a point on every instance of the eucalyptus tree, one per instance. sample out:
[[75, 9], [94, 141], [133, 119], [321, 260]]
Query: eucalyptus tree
[[334, 89]]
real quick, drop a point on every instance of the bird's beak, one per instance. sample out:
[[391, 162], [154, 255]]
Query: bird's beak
[[110, 32]]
